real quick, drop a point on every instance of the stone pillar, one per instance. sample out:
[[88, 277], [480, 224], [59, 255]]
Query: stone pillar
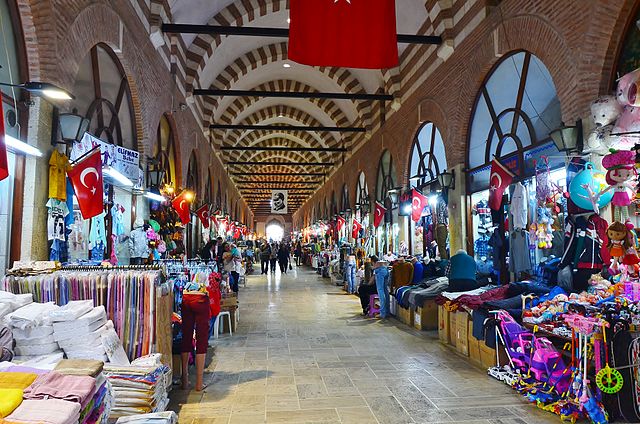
[[457, 212], [36, 183]]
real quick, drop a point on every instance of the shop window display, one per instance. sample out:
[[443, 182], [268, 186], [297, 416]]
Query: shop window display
[[387, 234]]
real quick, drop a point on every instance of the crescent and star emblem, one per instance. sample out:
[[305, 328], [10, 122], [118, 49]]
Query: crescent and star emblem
[[336, 1], [87, 172], [416, 203], [181, 203], [499, 181], [378, 212]]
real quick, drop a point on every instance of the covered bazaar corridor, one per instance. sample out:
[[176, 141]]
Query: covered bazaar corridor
[[304, 354]]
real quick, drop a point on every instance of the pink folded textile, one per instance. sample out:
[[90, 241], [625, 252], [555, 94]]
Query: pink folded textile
[[49, 411], [73, 388]]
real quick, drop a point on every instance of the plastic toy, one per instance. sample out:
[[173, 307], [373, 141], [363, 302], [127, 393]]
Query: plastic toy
[[589, 180], [618, 245], [608, 380]]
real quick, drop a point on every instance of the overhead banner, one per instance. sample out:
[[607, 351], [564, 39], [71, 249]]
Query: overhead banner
[[279, 201]]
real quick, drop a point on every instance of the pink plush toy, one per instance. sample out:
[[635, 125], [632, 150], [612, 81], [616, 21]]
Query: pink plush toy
[[627, 92], [629, 121]]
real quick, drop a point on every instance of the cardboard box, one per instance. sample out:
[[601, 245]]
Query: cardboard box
[[426, 317], [444, 331], [405, 316], [462, 333], [488, 356], [231, 300], [453, 330], [474, 346]]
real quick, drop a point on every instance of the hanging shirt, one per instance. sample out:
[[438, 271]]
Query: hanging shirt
[[58, 166], [97, 234], [519, 207], [55, 219], [117, 220]]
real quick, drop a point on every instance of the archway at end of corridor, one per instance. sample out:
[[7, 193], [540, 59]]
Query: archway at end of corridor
[[274, 231]]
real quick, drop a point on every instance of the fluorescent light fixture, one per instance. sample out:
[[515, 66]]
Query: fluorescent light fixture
[[42, 88], [433, 200], [155, 197], [286, 65], [116, 175], [406, 209], [21, 146]]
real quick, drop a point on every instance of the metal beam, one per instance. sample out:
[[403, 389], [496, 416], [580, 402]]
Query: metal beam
[[287, 128], [274, 32], [278, 182], [285, 149], [290, 94], [280, 174], [280, 163]]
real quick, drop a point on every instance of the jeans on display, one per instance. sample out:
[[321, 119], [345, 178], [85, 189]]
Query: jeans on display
[[350, 276], [383, 293]]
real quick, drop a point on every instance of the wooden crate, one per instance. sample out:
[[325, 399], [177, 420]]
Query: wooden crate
[[462, 333], [426, 317], [444, 329], [405, 316], [474, 346]]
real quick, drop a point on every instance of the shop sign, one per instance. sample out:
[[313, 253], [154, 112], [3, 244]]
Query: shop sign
[[125, 161]]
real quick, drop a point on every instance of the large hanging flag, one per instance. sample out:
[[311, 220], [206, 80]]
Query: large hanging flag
[[86, 178], [418, 202], [355, 229], [4, 163], [214, 221], [340, 223], [344, 33], [203, 214], [499, 180], [378, 214], [181, 204]]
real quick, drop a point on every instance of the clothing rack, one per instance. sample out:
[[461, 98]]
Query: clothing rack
[[111, 268]]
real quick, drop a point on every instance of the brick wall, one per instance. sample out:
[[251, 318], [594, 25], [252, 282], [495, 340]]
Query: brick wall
[[576, 40]]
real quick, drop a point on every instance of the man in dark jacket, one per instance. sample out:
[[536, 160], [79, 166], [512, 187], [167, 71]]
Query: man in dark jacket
[[265, 254]]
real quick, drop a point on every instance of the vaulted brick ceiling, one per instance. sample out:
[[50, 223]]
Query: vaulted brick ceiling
[[257, 63]]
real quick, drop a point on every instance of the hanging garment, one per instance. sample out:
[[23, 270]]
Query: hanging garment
[[58, 166], [519, 258], [519, 207], [56, 229], [117, 220], [138, 243], [97, 234]]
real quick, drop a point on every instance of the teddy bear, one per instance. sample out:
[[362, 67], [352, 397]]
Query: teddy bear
[[604, 113]]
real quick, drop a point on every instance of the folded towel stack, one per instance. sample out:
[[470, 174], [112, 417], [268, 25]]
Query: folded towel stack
[[49, 411], [138, 389], [78, 330], [32, 330], [9, 302], [168, 417]]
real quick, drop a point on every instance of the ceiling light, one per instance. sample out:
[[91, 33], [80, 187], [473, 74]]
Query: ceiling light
[[155, 197], [44, 89], [281, 116], [286, 65], [116, 175], [288, 20], [21, 146]]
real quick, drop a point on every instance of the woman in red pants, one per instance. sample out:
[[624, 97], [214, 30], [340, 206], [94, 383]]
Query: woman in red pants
[[195, 316]]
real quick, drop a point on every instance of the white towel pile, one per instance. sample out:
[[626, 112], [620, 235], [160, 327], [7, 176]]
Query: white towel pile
[[78, 327], [32, 330], [9, 302]]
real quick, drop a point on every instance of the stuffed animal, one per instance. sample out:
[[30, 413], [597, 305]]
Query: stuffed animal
[[544, 232], [618, 234], [627, 91], [629, 121], [604, 113]]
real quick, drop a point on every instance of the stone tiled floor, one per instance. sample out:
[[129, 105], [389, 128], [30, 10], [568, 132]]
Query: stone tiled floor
[[303, 354]]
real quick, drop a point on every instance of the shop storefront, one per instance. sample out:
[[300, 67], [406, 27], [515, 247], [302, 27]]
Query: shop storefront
[[428, 161], [361, 216], [387, 193], [514, 113]]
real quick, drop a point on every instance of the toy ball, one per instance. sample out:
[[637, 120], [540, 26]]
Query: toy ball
[[596, 180]]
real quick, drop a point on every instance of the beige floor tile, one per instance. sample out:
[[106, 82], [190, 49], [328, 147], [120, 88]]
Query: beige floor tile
[[332, 402], [306, 416], [361, 415]]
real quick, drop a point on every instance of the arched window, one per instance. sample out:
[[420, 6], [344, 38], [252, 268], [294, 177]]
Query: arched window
[[192, 174], [333, 209], [106, 97], [516, 109], [219, 197], [345, 204], [386, 177], [628, 58], [363, 201], [428, 157], [165, 153]]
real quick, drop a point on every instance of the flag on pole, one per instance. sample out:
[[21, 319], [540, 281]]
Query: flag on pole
[[378, 214], [86, 178], [340, 223], [355, 229], [499, 180], [418, 202], [203, 214], [344, 33], [181, 205]]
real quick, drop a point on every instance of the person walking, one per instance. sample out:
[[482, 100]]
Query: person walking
[[298, 253], [265, 254], [196, 313], [283, 258], [207, 251], [273, 258], [381, 275]]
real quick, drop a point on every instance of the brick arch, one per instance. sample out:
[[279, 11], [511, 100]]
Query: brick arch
[[32, 43], [265, 55], [176, 146], [96, 24], [326, 105]]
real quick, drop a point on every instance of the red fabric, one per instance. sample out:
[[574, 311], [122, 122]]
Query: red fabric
[[474, 302], [214, 222], [86, 178], [4, 163], [340, 223], [213, 288], [378, 214], [195, 316], [203, 214], [355, 229], [499, 180], [181, 205], [344, 33], [418, 202]]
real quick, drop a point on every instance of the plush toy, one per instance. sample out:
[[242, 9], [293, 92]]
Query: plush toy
[[620, 173], [618, 234], [631, 255], [604, 113], [629, 121], [627, 91], [544, 232]]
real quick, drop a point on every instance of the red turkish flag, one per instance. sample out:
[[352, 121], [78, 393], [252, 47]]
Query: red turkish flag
[[214, 222], [4, 163], [355, 229], [418, 202], [344, 33], [340, 223], [181, 205], [378, 214], [203, 214], [232, 228], [86, 178], [499, 180]]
